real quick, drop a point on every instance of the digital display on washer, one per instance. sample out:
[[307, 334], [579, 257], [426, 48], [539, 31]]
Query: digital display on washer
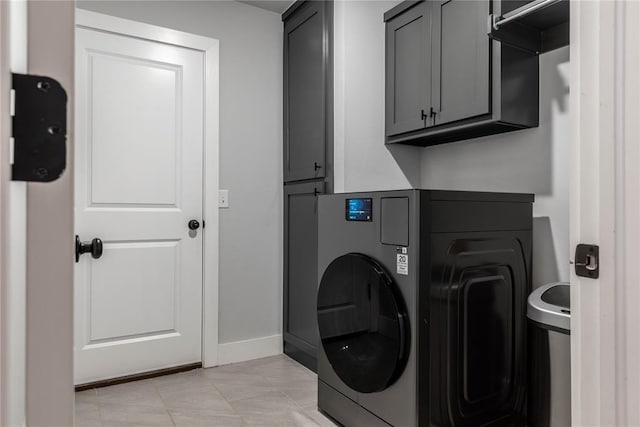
[[358, 210]]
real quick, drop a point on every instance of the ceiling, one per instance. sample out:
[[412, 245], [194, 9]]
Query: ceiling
[[277, 6]]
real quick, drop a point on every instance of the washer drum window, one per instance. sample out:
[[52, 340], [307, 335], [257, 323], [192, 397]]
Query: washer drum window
[[363, 323]]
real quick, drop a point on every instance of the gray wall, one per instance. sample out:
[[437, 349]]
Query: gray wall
[[533, 160], [362, 162], [250, 151]]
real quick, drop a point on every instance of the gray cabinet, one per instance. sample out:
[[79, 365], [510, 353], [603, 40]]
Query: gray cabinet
[[307, 91], [308, 170], [408, 68], [301, 271], [454, 82], [460, 52]]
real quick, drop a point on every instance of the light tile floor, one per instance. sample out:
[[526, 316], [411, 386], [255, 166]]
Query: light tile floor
[[274, 391]]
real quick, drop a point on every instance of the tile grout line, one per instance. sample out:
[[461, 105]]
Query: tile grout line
[[164, 403], [212, 381]]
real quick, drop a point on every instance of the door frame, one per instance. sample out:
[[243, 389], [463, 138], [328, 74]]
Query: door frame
[[604, 207], [210, 48], [15, 235]]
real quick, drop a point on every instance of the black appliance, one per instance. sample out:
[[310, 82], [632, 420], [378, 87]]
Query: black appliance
[[422, 307]]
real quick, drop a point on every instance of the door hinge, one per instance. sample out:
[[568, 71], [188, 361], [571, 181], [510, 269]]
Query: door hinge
[[39, 128], [12, 145], [12, 112], [587, 261], [12, 105]]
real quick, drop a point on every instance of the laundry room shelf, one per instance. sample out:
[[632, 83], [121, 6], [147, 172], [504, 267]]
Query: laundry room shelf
[[538, 26]]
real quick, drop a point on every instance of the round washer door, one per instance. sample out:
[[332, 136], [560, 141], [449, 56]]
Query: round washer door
[[363, 324]]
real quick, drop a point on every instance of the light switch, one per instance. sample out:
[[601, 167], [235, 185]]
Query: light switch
[[223, 198]]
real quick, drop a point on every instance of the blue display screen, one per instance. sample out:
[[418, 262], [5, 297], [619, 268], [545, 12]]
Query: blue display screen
[[358, 210]]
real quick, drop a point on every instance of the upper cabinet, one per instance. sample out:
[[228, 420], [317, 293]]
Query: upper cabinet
[[460, 55], [306, 87], [446, 80], [408, 71]]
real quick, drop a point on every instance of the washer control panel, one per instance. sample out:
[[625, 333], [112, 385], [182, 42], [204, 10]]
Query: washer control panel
[[359, 209]]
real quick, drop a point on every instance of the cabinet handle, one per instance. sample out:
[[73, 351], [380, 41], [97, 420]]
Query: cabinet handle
[[432, 112], [316, 166], [423, 116]]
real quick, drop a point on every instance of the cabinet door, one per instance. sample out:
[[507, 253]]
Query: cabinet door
[[301, 271], [408, 73], [460, 45], [305, 81]]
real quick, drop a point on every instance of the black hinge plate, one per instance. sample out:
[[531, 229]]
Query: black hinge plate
[[587, 261], [39, 129]]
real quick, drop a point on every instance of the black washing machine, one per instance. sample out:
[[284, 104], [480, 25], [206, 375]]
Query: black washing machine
[[421, 307]]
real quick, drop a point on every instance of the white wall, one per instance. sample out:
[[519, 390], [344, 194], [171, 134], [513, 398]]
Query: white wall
[[250, 151], [533, 161]]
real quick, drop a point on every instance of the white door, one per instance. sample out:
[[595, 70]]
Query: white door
[[138, 183]]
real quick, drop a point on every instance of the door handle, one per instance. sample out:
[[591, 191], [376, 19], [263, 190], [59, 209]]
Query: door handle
[[94, 247], [587, 261], [193, 224]]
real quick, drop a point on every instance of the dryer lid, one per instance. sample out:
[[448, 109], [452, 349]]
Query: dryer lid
[[363, 324]]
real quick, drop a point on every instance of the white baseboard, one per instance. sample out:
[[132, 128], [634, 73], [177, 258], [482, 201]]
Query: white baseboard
[[240, 351]]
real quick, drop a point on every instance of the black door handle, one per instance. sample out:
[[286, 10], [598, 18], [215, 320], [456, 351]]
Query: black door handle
[[193, 224], [94, 247]]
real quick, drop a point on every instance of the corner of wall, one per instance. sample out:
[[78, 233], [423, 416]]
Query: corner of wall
[[338, 97], [255, 348]]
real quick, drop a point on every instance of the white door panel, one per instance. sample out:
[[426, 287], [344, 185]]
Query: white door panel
[[138, 183], [148, 121], [128, 277]]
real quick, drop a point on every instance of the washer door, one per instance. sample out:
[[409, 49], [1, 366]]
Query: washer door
[[363, 323]]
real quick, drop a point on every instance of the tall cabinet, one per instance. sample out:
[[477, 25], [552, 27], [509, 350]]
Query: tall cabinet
[[307, 163]]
